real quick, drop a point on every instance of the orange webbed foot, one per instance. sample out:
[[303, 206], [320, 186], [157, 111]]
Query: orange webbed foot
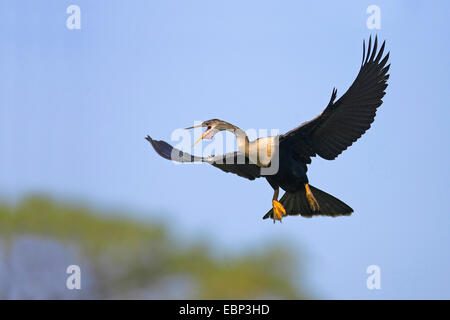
[[278, 210], [313, 204]]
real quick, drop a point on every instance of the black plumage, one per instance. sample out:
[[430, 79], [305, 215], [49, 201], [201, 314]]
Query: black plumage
[[341, 123]]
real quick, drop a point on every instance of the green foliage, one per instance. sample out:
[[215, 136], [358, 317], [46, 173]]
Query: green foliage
[[126, 255]]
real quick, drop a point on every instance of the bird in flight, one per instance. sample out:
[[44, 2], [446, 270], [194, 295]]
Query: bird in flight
[[341, 123]]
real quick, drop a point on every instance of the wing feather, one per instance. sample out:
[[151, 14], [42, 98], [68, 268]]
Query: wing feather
[[344, 121], [233, 162]]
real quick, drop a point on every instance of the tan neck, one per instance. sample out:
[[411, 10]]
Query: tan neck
[[258, 151], [242, 140]]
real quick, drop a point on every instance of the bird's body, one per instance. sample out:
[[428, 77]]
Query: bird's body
[[291, 175], [334, 130]]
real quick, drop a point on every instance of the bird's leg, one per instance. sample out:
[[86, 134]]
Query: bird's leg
[[278, 209], [313, 204]]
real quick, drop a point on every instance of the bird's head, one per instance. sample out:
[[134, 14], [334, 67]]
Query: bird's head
[[212, 127]]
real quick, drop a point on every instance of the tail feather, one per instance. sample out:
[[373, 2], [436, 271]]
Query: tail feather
[[297, 203]]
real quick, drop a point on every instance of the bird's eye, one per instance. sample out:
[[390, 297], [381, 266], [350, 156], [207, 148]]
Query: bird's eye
[[209, 128]]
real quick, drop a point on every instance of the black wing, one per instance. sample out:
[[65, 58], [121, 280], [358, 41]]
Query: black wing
[[233, 162], [344, 121]]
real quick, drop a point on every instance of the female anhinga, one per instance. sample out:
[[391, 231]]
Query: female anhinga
[[334, 130]]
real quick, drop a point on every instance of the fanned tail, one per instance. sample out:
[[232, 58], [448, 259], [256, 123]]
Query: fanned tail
[[297, 204]]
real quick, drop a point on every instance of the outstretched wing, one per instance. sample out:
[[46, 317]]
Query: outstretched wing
[[233, 162], [344, 121]]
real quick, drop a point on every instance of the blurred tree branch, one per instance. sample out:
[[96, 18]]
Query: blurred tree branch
[[127, 256]]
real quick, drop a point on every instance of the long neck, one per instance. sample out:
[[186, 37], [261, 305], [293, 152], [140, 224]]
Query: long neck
[[242, 140], [259, 151]]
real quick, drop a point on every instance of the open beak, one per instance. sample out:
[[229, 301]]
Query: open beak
[[202, 137], [208, 134]]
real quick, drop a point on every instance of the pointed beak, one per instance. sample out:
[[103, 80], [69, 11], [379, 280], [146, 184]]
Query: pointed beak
[[189, 128], [208, 134], [202, 136]]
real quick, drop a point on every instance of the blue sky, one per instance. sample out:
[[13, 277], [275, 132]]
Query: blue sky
[[77, 104]]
